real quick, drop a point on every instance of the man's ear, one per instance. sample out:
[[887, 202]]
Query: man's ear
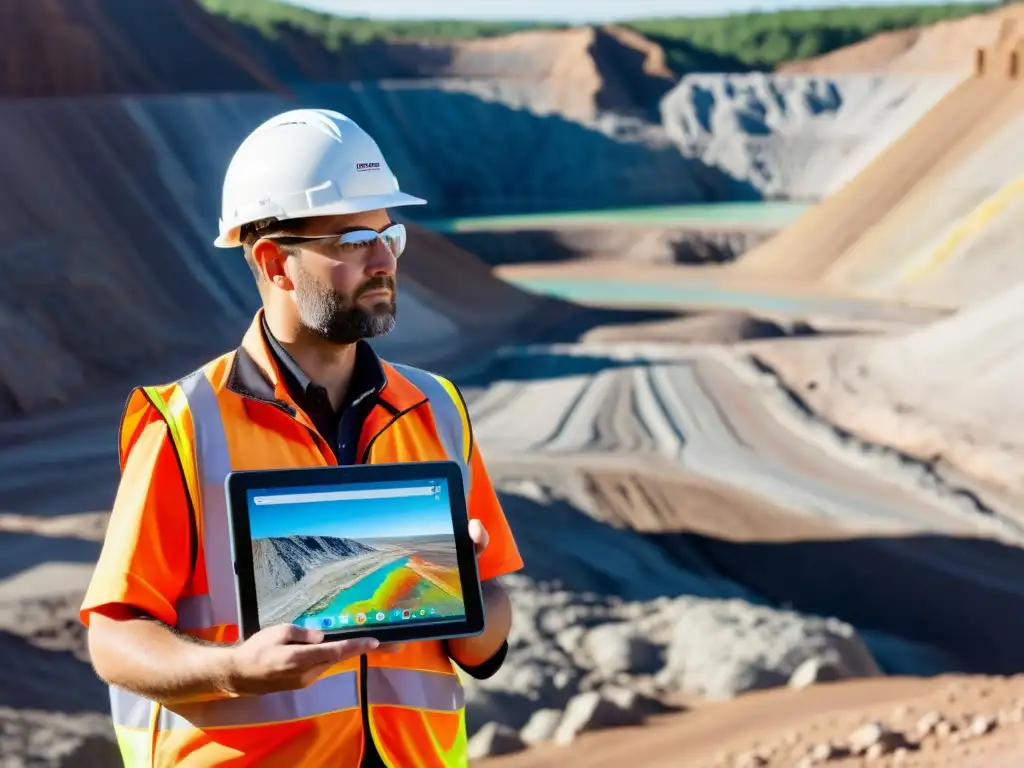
[[270, 258]]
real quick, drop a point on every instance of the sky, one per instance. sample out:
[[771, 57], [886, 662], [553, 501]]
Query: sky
[[575, 11], [352, 519]]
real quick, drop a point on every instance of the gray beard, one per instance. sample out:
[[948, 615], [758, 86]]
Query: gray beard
[[331, 317]]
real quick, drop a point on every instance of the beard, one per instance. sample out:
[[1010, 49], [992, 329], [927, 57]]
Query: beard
[[337, 318]]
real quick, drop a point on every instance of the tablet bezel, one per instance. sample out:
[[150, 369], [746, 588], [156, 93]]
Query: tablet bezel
[[239, 483]]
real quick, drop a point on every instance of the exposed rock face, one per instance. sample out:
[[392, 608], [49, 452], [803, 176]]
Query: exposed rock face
[[282, 561], [71, 48], [795, 136]]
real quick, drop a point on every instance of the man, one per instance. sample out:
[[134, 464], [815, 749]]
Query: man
[[306, 197]]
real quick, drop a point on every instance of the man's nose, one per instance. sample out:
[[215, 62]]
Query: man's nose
[[381, 260]]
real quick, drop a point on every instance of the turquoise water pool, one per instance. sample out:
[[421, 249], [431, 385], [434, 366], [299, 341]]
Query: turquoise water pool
[[681, 296], [624, 292], [772, 213]]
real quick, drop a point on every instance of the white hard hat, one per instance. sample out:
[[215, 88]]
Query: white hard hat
[[306, 162]]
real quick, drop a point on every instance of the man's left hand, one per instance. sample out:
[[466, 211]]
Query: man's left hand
[[479, 535], [473, 651]]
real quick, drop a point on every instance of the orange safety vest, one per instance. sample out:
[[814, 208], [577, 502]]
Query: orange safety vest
[[411, 700]]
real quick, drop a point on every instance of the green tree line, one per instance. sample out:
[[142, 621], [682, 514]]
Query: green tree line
[[733, 42], [765, 40]]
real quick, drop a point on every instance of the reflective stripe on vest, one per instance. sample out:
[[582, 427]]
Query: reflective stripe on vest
[[449, 416], [213, 462], [414, 688], [385, 686]]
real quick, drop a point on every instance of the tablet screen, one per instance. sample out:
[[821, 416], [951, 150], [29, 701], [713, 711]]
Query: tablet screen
[[357, 554]]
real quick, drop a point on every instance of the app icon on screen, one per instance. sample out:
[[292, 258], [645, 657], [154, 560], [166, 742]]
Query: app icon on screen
[[405, 614], [381, 615], [326, 621], [343, 619], [423, 611], [433, 611], [360, 618], [396, 613]]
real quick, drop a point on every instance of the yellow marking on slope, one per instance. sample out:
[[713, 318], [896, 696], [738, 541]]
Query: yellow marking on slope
[[981, 215]]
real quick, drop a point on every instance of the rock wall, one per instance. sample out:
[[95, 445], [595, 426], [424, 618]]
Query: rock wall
[[795, 136], [79, 47], [282, 561], [111, 208]]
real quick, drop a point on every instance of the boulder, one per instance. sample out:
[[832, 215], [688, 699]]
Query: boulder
[[541, 727], [618, 647], [494, 739], [721, 648], [590, 712]]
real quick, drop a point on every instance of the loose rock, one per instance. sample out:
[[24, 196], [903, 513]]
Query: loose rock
[[588, 712], [720, 648], [820, 669], [927, 723], [494, 739], [618, 647], [822, 753], [541, 726], [981, 724], [875, 738], [751, 760], [633, 701]]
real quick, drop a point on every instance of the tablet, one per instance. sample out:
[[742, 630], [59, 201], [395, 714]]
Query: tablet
[[378, 550]]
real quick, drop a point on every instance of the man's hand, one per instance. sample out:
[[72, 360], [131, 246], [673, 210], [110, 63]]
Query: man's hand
[[479, 535], [286, 657]]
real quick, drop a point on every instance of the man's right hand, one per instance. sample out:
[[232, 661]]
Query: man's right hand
[[285, 657]]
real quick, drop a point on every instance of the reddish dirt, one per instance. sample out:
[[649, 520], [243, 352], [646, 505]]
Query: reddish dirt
[[782, 726], [76, 47], [54, 48], [942, 139], [935, 48]]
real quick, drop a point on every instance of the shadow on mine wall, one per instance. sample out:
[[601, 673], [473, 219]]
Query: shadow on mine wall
[[962, 597], [928, 604], [129, 212]]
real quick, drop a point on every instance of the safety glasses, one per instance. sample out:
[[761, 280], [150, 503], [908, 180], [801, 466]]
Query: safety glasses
[[394, 237]]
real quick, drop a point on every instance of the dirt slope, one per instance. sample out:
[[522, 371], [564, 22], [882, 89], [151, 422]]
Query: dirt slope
[[119, 200], [582, 71], [918, 186], [779, 729], [932, 49], [75, 47], [947, 393], [960, 197]]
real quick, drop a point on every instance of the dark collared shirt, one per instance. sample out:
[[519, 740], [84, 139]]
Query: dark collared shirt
[[341, 430]]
